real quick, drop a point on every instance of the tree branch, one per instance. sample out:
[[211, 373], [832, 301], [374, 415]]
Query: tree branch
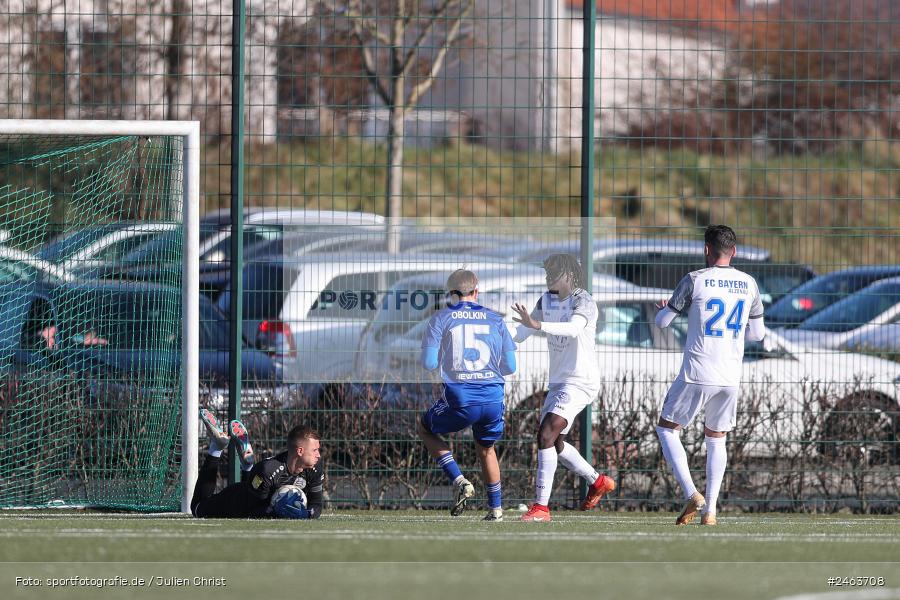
[[371, 75], [440, 12], [438, 63]]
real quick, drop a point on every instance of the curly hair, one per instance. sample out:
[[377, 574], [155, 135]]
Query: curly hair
[[564, 264]]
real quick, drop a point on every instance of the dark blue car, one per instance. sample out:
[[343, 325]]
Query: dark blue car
[[121, 335], [808, 299]]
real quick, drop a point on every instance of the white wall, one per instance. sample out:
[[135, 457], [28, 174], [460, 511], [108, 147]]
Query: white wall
[[643, 69]]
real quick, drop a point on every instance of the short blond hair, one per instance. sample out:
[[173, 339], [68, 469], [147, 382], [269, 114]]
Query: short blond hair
[[462, 283]]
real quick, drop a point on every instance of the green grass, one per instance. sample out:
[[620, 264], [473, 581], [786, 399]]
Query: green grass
[[426, 554]]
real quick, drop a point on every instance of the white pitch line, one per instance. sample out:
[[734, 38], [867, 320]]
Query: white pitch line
[[533, 534]]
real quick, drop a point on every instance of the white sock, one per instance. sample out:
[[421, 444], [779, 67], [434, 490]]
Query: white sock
[[677, 459], [573, 461], [546, 470], [716, 457], [214, 450]]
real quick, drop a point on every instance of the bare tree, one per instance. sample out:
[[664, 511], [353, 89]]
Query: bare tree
[[404, 45]]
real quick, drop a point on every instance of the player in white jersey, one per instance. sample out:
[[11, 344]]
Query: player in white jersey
[[722, 304], [568, 316]]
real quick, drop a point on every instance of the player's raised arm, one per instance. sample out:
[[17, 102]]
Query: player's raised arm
[[583, 312], [528, 322]]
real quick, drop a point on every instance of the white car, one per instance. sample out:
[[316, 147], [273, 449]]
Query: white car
[[260, 225], [113, 246], [866, 320], [19, 266], [388, 347], [637, 362], [309, 311]]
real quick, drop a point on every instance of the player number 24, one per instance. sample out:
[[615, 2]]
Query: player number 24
[[733, 322]]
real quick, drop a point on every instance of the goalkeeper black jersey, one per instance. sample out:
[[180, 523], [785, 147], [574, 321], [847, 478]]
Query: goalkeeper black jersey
[[266, 477], [250, 497]]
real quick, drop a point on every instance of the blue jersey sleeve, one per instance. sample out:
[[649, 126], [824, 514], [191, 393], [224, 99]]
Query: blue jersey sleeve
[[430, 358], [508, 346], [433, 333]]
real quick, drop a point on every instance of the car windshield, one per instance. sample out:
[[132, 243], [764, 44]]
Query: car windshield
[[776, 280], [817, 294], [166, 246], [69, 243], [856, 310]]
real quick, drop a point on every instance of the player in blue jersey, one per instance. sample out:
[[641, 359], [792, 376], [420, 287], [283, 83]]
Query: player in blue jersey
[[474, 350]]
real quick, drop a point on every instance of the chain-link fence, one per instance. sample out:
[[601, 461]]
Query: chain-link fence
[[402, 139]]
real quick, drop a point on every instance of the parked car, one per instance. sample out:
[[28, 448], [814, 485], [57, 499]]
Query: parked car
[[310, 310], [83, 250], [499, 288], [412, 240], [868, 317], [775, 279], [121, 334], [17, 266], [813, 296], [647, 262], [158, 261]]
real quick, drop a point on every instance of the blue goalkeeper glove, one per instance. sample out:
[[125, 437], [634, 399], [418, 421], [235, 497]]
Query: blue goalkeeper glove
[[291, 506]]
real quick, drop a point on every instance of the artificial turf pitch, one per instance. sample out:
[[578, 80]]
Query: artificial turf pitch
[[426, 554]]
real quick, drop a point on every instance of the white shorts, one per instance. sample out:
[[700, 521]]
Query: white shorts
[[685, 400], [566, 401]]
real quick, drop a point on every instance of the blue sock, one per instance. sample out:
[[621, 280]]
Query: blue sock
[[495, 496], [451, 470]]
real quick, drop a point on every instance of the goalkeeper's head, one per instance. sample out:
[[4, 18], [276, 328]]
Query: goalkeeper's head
[[462, 285], [302, 448]]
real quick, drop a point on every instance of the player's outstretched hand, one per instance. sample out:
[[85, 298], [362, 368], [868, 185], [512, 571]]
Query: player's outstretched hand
[[524, 316], [662, 304]]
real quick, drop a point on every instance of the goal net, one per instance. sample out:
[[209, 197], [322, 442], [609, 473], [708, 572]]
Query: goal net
[[98, 352]]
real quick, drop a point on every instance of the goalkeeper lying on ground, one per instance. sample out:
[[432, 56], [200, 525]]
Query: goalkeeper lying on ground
[[297, 466]]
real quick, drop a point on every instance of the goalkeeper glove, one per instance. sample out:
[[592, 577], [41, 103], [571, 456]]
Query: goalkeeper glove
[[291, 506]]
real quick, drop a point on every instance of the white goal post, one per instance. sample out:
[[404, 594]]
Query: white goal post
[[189, 132]]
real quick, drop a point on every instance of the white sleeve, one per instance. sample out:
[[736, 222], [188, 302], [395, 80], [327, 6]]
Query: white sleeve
[[523, 333], [756, 329], [565, 328], [665, 317]]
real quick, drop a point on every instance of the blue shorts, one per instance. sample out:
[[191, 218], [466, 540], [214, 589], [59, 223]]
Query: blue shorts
[[486, 420]]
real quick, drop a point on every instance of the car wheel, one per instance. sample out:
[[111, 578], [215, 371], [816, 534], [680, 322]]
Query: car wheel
[[862, 428]]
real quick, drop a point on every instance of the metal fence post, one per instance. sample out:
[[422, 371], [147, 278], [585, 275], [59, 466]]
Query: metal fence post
[[237, 224], [587, 187]]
